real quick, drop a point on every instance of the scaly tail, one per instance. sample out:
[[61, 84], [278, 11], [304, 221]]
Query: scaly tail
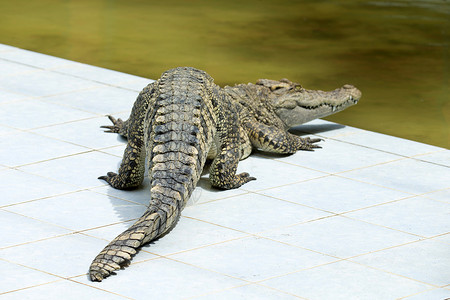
[[172, 122], [119, 252]]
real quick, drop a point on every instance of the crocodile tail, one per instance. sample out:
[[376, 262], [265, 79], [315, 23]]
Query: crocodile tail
[[172, 185], [120, 251], [178, 139]]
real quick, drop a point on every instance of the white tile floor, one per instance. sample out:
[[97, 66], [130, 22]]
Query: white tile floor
[[366, 217]]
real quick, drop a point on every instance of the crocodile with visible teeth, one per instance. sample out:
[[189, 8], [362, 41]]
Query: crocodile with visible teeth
[[182, 120]]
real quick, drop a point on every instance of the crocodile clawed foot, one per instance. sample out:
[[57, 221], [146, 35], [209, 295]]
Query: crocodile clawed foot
[[116, 128], [108, 177], [240, 180], [232, 183], [245, 177], [111, 179], [309, 144], [118, 181]]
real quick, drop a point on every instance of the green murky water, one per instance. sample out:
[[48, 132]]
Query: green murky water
[[396, 52]]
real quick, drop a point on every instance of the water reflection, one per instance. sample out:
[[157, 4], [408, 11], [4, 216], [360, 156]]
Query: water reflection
[[396, 52]]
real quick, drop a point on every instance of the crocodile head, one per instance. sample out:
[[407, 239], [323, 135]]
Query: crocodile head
[[296, 105]]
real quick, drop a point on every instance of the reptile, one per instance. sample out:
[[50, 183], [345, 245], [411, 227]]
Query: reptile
[[181, 121]]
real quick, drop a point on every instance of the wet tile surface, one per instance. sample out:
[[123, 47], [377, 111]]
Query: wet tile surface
[[366, 217]]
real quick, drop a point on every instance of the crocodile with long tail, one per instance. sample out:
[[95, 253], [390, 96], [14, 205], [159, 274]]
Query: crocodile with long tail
[[184, 119]]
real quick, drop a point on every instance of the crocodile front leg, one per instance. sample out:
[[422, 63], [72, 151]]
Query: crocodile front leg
[[272, 139]]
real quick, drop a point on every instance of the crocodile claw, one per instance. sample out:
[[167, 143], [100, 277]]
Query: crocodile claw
[[245, 177], [109, 178], [309, 144], [310, 140], [116, 128]]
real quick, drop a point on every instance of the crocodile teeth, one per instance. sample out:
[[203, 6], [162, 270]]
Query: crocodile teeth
[[333, 108]]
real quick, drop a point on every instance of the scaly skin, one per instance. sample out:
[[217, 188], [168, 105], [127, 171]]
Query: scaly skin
[[295, 105], [183, 119], [269, 108], [173, 124]]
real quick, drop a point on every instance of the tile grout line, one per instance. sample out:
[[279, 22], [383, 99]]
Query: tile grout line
[[115, 197], [373, 184], [71, 279], [377, 149], [287, 184], [332, 212], [244, 285], [71, 231], [69, 63], [392, 273], [88, 150], [60, 279], [419, 293], [342, 175], [34, 269], [333, 173], [261, 282], [29, 287]]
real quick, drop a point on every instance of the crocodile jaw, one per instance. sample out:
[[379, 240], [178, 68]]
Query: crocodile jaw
[[303, 105]]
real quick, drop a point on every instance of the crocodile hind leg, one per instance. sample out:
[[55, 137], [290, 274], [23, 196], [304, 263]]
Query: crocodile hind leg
[[223, 167], [273, 139]]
